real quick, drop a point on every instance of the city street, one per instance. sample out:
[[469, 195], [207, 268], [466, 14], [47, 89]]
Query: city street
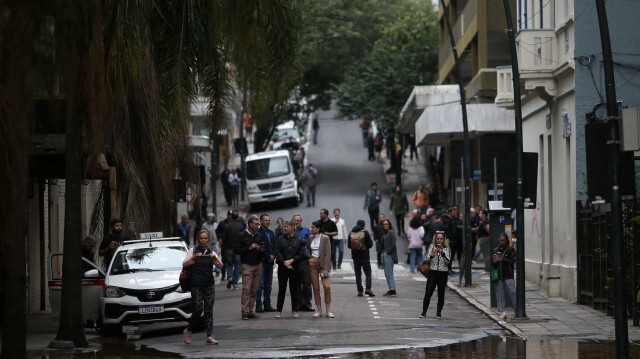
[[361, 323]]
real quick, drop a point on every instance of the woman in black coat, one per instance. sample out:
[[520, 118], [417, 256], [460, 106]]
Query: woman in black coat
[[288, 253]]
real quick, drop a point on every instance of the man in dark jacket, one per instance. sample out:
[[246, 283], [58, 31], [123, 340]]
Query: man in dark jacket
[[361, 257], [434, 225], [250, 247], [266, 280], [378, 232], [230, 240]]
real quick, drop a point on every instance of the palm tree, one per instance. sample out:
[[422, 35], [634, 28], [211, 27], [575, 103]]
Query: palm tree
[[129, 71]]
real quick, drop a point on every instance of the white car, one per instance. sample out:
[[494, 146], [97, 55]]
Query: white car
[[140, 286]]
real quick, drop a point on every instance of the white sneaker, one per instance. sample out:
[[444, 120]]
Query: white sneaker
[[329, 315], [503, 315], [318, 315]]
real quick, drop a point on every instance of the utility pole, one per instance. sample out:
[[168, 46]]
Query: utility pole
[[520, 292], [466, 228], [620, 306]]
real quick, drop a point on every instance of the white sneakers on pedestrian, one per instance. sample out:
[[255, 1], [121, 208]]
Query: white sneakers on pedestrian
[[329, 315], [503, 315], [318, 315]]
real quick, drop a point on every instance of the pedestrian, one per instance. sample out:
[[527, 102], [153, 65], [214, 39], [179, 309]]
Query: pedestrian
[[438, 256], [364, 129], [389, 256], [211, 226], [414, 236], [226, 186], [337, 242], [183, 228], [220, 234], [370, 146], [412, 147], [234, 182], [309, 176], [316, 128], [304, 276], [484, 241], [231, 239], [200, 259], [377, 144], [319, 250], [109, 244], [88, 245], [359, 241], [421, 199], [288, 253], [279, 231], [504, 256], [372, 201], [399, 206], [474, 223], [251, 248], [263, 299], [378, 232]]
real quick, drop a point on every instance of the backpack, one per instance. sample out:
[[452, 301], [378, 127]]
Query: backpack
[[357, 241]]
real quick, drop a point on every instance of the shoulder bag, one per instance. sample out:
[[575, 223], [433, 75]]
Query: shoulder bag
[[424, 268]]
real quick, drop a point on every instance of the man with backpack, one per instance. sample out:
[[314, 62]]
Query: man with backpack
[[359, 242]]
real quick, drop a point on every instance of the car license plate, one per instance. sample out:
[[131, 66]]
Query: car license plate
[[148, 309]]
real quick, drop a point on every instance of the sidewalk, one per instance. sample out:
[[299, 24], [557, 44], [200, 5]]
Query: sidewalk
[[545, 317]]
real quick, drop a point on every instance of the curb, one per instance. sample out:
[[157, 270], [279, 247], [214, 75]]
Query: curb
[[487, 311]]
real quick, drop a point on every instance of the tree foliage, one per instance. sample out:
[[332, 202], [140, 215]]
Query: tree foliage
[[404, 55]]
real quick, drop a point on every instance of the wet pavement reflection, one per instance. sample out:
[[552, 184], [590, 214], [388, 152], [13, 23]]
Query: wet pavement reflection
[[489, 347]]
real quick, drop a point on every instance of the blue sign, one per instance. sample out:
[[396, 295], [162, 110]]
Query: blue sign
[[477, 175]]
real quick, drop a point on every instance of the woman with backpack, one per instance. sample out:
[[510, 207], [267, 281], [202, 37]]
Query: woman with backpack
[[359, 241]]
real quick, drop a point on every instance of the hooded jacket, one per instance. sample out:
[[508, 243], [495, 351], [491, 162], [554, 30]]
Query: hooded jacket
[[368, 242]]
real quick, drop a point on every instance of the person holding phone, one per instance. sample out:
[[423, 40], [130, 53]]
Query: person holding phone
[[504, 257], [201, 259], [439, 256]]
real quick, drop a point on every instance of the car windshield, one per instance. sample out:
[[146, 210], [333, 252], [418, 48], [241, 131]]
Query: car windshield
[[267, 167], [149, 259], [286, 133]]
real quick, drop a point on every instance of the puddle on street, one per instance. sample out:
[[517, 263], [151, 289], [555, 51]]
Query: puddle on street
[[489, 347]]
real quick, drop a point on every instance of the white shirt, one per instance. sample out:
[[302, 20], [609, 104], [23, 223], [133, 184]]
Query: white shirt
[[342, 229], [315, 247]]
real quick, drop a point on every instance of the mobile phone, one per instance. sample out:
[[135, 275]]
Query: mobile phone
[[439, 245], [132, 224]]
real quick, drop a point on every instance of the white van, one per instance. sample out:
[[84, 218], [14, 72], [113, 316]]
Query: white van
[[271, 177]]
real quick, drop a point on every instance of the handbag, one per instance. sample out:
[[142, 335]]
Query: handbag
[[184, 279], [494, 276], [424, 268]]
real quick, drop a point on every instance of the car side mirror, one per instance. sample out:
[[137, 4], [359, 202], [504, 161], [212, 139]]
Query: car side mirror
[[91, 273]]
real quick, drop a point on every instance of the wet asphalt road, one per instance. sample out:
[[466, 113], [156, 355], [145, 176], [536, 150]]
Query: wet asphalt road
[[360, 323]]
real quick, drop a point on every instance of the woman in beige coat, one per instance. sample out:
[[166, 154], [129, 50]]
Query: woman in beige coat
[[319, 252]]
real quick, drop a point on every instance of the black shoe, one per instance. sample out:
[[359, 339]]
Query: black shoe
[[245, 317], [259, 310], [422, 315], [369, 292], [359, 294], [229, 283], [268, 308], [308, 205], [306, 309], [391, 293], [252, 316], [439, 316]]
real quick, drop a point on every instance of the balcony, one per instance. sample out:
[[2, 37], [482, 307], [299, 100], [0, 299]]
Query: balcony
[[504, 97], [537, 61]]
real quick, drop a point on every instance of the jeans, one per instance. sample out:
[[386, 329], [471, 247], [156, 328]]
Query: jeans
[[311, 195], [388, 270], [234, 266], [436, 279], [339, 245], [265, 285], [379, 253], [315, 137], [416, 258], [360, 265], [373, 216], [251, 274], [510, 286]]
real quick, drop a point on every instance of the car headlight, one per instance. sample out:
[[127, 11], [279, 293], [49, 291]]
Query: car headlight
[[252, 188], [113, 292], [287, 183]]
